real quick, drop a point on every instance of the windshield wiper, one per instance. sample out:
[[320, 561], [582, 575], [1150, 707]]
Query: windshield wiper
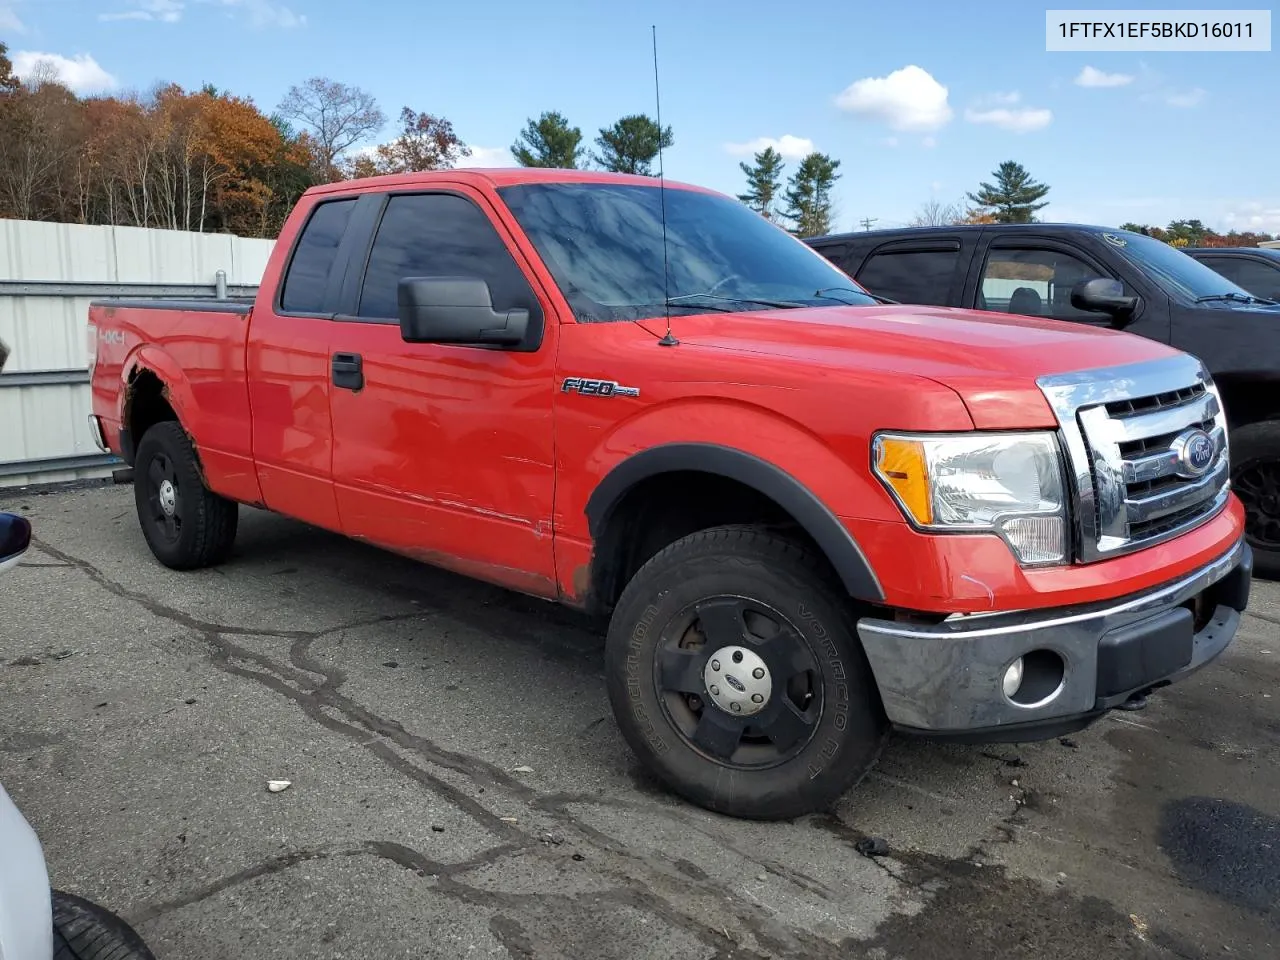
[[824, 293], [781, 304], [1233, 297]]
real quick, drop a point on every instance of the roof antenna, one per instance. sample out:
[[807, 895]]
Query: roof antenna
[[668, 340]]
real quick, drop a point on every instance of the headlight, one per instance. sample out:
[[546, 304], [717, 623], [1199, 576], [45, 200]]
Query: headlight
[[1005, 483]]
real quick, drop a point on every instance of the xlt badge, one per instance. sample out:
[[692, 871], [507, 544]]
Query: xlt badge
[[597, 388]]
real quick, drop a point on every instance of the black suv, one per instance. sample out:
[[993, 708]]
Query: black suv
[[1105, 276], [1256, 269]]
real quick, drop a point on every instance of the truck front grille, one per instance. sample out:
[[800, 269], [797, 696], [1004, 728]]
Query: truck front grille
[[1124, 430]]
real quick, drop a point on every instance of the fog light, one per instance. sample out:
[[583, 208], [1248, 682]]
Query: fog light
[[1013, 678]]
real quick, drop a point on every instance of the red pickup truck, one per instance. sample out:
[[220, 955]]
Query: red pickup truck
[[811, 516]]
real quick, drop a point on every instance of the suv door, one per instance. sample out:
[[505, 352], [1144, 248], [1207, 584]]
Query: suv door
[[444, 451], [925, 271], [1020, 273]]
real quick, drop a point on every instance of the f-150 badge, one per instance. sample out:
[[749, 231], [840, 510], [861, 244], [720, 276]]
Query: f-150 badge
[[597, 388]]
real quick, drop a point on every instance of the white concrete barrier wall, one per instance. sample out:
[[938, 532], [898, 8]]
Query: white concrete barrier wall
[[48, 274]]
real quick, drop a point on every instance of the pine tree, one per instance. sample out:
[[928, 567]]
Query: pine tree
[[549, 141], [809, 205], [631, 145], [764, 183], [1013, 198]]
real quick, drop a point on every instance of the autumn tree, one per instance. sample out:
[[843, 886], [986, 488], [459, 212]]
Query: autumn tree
[[337, 117], [631, 144], [40, 137], [1014, 197], [809, 205], [764, 182], [549, 141], [8, 82], [426, 142]]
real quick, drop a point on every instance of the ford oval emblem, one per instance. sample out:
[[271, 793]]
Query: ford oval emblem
[[1195, 451], [735, 683]]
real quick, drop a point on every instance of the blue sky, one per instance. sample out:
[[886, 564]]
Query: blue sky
[[919, 101]]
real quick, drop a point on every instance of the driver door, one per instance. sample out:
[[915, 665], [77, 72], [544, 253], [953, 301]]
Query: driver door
[[445, 452]]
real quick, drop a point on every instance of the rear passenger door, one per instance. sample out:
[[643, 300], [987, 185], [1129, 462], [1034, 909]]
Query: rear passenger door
[[287, 361], [915, 271]]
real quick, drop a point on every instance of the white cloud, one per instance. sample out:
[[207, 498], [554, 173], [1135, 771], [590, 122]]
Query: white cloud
[[929, 142], [1189, 98], [1254, 216], [1093, 77], [81, 74], [997, 110], [264, 13], [792, 148], [487, 157], [9, 21], [890, 141], [165, 11], [906, 99]]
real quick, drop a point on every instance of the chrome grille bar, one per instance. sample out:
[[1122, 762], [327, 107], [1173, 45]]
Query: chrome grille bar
[[1123, 429]]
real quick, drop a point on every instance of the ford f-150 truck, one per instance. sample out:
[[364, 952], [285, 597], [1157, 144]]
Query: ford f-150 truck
[[810, 517]]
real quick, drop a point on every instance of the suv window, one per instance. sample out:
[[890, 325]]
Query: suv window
[[313, 257], [911, 276], [1260, 279], [438, 235], [1034, 283]]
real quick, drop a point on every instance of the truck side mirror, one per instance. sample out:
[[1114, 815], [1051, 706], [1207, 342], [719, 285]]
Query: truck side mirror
[[1103, 295], [15, 537], [456, 310]]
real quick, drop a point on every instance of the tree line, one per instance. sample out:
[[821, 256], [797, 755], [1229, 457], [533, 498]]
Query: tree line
[[211, 161]]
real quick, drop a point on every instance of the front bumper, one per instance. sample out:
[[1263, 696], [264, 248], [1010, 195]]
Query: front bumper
[[946, 678]]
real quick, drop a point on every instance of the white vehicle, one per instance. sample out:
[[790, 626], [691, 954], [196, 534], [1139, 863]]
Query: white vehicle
[[37, 923]]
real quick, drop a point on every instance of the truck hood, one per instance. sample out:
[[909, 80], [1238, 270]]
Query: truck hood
[[991, 360]]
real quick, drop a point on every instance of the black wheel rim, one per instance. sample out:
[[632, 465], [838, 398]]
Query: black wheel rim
[[782, 725], [163, 498], [1257, 485]]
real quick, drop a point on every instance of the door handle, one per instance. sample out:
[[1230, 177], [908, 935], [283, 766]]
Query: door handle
[[348, 371]]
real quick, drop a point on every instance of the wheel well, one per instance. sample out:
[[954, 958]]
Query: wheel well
[[146, 404], [659, 510]]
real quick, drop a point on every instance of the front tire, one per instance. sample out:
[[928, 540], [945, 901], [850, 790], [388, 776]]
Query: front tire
[[736, 676], [1255, 477], [185, 524]]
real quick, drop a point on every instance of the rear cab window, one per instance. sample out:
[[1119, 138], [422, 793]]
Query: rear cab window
[[307, 275]]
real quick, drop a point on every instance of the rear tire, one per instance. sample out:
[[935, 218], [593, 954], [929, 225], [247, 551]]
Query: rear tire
[[83, 930], [185, 524], [736, 676], [1255, 477]]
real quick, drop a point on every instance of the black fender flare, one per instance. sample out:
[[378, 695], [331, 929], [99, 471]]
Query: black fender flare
[[812, 514]]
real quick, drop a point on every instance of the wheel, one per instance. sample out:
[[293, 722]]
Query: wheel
[[185, 524], [736, 676], [1255, 476], [83, 930]]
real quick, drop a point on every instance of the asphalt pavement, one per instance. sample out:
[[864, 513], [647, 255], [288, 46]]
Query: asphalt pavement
[[458, 788]]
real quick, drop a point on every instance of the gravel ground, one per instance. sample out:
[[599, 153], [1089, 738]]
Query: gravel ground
[[459, 789]]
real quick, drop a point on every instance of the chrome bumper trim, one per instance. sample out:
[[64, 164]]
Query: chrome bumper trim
[[946, 676]]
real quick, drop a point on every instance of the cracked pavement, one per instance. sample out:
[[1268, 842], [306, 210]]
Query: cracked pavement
[[143, 712]]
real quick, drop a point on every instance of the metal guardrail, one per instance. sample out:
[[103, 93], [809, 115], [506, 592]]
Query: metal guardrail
[[220, 289], [74, 461], [40, 378]]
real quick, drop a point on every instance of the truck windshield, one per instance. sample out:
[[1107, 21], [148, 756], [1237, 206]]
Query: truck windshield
[[603, 244], [1175, 270]]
